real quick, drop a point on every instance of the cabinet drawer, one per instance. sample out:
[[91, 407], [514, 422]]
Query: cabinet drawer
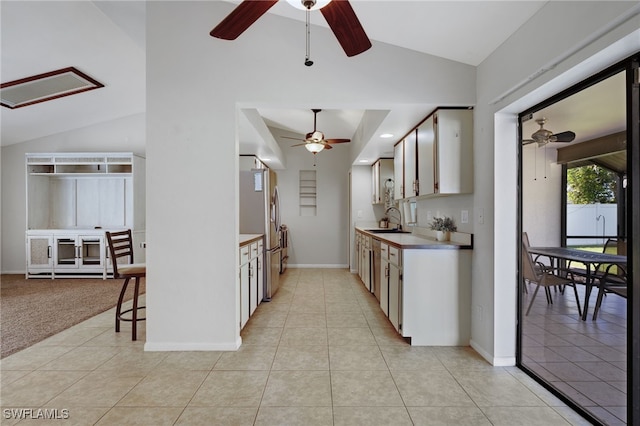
[[394, 255], [384, 250], [244, 254], [253, 250]]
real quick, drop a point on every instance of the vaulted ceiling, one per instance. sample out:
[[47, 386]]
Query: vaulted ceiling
[[107, 41]]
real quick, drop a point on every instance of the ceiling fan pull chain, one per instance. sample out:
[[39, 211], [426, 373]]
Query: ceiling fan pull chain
[[308, 62]]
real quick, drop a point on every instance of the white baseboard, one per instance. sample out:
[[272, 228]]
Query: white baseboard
[[496, 362], [193, 347], [323, 266], [14, 272]]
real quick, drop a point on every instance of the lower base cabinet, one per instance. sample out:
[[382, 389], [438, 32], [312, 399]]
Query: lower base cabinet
[[426, 294], [251, 279]]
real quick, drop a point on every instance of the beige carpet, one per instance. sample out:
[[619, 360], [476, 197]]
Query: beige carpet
[[32, 310]]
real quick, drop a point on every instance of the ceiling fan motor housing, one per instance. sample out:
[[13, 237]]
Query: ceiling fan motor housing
[[308, 4]]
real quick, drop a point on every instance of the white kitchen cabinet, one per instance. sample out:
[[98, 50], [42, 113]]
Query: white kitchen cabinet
[[426, 151], [366, 263], [398, 170], [410, 165], [381, 172], [255, 275], [445, 153], [437, 156], [395, 288], [261, 271], [251, 277], [391, 284], [78, 195], [425, 288], [244, 285], [384, 278]]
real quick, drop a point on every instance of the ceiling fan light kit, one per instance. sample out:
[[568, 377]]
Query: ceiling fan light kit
[[314, 147], [315, 141]]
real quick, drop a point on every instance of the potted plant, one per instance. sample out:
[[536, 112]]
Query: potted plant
[[443, 226]]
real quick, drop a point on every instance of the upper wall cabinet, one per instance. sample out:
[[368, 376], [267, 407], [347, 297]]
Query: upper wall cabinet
[[398, 171], [438, 155], [382, 179]]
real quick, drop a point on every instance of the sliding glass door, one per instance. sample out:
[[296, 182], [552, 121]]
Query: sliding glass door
[[579, 199]]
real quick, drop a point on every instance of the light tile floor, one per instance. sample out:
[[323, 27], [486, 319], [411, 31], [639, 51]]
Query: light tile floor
[[586, 360], [320, 353]]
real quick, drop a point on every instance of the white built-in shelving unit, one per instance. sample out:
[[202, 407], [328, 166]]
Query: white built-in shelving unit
[[72, 199]]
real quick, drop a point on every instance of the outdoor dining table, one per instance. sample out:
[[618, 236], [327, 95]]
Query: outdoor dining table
[[589, 258]]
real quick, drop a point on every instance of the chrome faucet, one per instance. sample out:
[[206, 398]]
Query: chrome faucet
[[391, 209]]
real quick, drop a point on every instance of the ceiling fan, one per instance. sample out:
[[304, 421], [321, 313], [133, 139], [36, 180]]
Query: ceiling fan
[[543, 136], [338, 13], [315, 141]]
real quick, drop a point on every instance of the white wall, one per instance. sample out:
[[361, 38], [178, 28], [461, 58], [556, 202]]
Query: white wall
[[362, 211], [194, 85], [321, 240], [123, 135], [579, 39], [541, 201]]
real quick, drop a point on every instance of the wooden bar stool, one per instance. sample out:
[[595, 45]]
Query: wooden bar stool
[[121, 245]]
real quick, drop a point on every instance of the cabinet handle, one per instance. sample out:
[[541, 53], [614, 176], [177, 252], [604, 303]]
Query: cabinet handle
[[250, 270], [417, 187], [386, 271], [49, 252], [78, 252]]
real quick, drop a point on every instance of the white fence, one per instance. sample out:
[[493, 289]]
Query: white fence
[[591, 219]]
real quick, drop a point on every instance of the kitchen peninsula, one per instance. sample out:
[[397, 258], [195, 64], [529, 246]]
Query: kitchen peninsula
[[423, 285]]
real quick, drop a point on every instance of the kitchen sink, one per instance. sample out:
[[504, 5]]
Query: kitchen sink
[[387, 231]]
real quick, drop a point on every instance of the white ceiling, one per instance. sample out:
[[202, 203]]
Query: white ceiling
[[106, 40]]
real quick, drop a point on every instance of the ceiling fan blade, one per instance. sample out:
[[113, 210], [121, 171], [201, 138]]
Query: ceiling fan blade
[[527, 141], [295, 139], [298, 144], [241, 18], [327, 146], [564, 136], [347, 28], [337, 140]]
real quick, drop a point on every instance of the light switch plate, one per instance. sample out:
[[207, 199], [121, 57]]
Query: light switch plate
[[464, 216]]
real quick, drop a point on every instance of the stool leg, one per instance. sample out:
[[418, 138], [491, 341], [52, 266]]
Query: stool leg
[[119, 307], [134, 318]]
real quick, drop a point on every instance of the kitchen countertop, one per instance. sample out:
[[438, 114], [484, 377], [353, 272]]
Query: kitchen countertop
[[249, 238], [415, 241]]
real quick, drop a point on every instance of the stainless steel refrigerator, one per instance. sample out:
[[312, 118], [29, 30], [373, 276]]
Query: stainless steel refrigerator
[[260, 214]]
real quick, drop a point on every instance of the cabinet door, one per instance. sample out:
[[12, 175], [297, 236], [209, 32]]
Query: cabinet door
[[454, 151], [375, 183], [395, 297], [426, 165], [385, 177], [398, 171], [65, 252], [40, 253], [244, 285], [260, 272], [384, 285], [253, 285], [244, 294], [410, 159], [92, 252]]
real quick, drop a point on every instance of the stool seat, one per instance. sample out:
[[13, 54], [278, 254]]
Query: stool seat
[[120, 247]]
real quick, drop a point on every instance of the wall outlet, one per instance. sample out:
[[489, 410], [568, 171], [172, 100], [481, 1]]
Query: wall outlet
[[359, 214], [464, 216], [429, 215]]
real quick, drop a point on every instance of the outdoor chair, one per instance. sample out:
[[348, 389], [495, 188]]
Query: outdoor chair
[[537, 273]]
